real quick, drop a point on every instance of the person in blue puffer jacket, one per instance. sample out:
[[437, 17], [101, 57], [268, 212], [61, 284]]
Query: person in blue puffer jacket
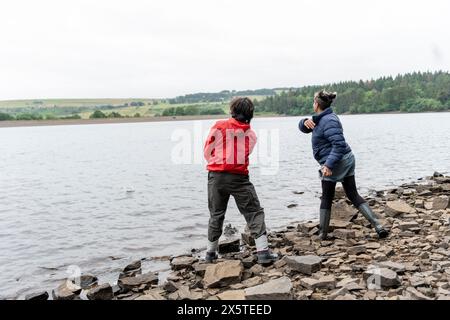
[[337, 162]]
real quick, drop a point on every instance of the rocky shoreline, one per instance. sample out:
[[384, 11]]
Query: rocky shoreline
[[412, 263]]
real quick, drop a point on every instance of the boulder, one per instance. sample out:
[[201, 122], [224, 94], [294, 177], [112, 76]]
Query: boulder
[[277, 289], [183, 262], [304, 264], [354, 250], [440, 203], [307, 226], [397, 208], [381, 277], [229, 246], [344, 234], [102, 292], [133, 266], [326, 282], [131, 270], [145, 280], [223, 274]]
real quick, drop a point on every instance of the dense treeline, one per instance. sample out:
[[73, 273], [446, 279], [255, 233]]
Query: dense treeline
[[219, 96], [192, 110], [413, 92]]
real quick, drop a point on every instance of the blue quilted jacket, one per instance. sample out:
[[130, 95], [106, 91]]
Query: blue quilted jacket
[[328, 140]]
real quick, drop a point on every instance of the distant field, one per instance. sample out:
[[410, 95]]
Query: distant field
[[57, 108], [48, 103]]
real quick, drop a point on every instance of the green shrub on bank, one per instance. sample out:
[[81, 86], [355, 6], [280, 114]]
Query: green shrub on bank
[[97, 114], [6, 116], [29, 116], [192, 110]]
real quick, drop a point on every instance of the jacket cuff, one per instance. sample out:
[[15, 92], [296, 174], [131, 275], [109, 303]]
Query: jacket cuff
[[329, 164]]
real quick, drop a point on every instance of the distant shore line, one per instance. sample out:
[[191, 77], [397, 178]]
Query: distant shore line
[[35, 123]]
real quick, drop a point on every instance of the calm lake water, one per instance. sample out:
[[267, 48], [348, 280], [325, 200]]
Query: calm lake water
[[99, 196]]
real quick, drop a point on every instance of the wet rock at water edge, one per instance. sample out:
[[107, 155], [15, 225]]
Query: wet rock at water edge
[[87, 281], [145, 280], [66, 291], [183, 262], [223, 274], [277, 289], [229, 246], [304, 264], [101, 292], [131, 270], [37, 296], [133, 266]]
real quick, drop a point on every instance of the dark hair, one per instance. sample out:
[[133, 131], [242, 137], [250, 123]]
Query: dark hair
[[242, 109], [324, 98]]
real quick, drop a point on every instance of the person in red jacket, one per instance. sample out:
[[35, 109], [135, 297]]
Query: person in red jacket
[[227, 149]]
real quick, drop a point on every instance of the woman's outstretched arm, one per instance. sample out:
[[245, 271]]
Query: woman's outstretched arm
[[303, 128]]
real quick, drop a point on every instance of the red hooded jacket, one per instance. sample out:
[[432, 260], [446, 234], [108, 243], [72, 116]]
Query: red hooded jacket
[[229, 145]]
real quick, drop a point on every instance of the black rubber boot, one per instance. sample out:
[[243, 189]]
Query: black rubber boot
[[211, 256], [266, 257], [325, 216], [370, 216]]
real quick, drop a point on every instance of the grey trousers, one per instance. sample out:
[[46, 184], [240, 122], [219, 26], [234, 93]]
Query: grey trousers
[[222, 185]]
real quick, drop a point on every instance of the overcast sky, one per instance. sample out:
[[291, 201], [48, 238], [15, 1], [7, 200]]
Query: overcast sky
[[164, 48]]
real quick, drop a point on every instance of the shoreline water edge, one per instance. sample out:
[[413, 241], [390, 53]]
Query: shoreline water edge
[[67, 122], [413, 263]]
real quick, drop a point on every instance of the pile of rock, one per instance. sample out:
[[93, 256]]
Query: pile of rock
[[412, 263]]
